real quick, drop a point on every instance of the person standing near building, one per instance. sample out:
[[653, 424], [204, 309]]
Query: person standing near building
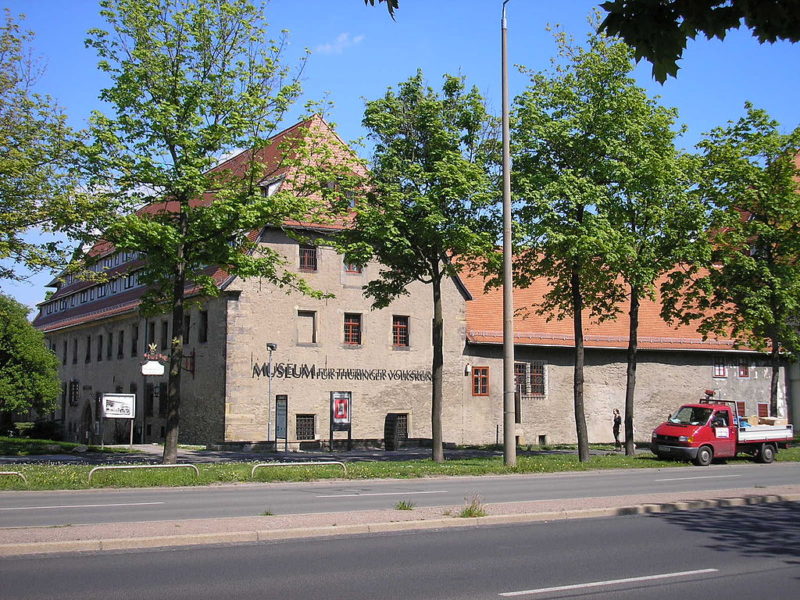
[[617, 422]]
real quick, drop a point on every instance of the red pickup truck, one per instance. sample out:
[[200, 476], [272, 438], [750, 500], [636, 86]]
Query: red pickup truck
[[712, 429]]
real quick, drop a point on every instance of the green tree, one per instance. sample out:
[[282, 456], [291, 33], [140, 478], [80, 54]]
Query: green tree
[[658, 29], [192, 80], [429, 180], [28, 369], [750, 289], [391, 5], [37, 152], [656, 217], [580, 134]]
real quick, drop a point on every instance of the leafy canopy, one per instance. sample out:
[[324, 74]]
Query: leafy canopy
[[751, 289], [658, 29], [37, 158], [28, 369], [429, 182], [193, 82]]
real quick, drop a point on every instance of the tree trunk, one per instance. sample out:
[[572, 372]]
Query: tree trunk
[[773, 382], [436, 370], [176, 351], [580, 413], [630, 386]]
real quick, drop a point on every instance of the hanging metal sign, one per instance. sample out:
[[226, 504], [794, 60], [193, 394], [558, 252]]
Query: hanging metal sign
[[153, 367]]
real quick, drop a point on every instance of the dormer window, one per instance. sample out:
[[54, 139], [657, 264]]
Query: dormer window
[[271, 188]]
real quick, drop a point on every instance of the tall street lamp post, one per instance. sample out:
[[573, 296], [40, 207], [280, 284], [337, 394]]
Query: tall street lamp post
[[270, 347], [509, 421]]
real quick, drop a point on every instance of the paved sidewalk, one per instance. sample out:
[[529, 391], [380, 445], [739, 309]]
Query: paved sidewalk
[[156, 534]]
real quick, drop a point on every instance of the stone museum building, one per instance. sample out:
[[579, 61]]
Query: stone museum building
[[262, 365]]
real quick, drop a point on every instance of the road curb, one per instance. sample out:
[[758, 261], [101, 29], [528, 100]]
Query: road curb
[[264, 535]]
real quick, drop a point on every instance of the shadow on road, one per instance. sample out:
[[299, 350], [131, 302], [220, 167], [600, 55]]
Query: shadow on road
[[771, 530]]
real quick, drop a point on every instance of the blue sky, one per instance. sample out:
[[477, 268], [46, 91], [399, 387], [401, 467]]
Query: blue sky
[[358, 51]]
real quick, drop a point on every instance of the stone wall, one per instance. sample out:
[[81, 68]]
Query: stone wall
[[382, 378]]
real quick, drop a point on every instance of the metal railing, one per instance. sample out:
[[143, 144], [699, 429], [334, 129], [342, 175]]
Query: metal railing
[[17, 473], [299, 463], [107, 468]]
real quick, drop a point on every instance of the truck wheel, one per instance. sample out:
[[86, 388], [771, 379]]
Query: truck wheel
[[704, 456], [766, 454]]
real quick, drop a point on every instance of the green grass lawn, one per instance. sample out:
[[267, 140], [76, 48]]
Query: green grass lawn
[[53, 476]]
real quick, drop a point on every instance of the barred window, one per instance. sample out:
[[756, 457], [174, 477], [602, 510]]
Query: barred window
[[720, 370], [530, 378], [308, 258], [304, 426], [744, 368]]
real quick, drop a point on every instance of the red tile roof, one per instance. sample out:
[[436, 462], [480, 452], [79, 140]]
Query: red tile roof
[[485, 323]]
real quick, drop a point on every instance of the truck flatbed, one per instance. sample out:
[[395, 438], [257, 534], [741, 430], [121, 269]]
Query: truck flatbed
[[766, 433]]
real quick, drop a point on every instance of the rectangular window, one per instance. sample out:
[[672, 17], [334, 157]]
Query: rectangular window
[[84, 296], [529, 378], [101, 290], [187, 321], [164, 335], [304, 426], [151, 334], [99, 348], [763, 409], [130, 281], [75, 351], [400, 331], [352, 329], [88, 349], [308, 258], [202, 331], [720, 369], [740, 408], [744, 368], [306, 327], [120, 344], [162, 399], [110, 346], [351, 268], [148, 400], [64, 358], [134, 340], [480, 381]]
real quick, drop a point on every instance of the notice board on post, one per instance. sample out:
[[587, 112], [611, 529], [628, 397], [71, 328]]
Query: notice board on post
[[341, 417]]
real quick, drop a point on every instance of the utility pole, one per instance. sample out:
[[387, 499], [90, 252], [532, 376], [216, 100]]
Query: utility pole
[[509, 420]]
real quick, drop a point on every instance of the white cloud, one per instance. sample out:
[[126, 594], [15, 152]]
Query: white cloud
[[343, 41]]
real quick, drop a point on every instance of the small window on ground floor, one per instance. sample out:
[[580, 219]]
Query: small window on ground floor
[[305, 427]]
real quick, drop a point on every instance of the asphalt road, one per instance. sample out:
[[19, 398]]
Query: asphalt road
[[722, 554], [20, 509]]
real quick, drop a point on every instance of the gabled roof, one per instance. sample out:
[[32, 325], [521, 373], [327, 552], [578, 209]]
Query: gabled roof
[[272, 156], [485, 323]]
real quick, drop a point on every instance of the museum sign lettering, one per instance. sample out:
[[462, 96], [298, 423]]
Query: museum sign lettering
[[306, 371]]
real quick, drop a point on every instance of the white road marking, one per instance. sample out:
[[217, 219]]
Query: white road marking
[[593, 584], [701, 477], [383, 494], [80, 506]]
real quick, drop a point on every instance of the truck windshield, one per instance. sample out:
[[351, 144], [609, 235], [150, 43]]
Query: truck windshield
[[691, 415]]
